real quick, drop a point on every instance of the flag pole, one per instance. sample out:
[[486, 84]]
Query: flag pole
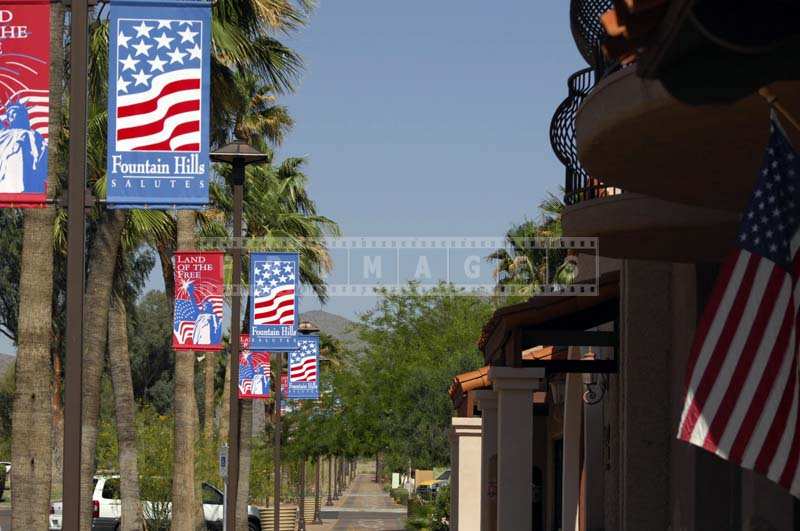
[[772, 101]]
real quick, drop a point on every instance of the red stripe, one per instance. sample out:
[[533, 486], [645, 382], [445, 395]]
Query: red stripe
[[720, 422], [151, 105], [182, 129], [274, 320], [188, 147], [789, 471], [729, 329], [710, 312], [158, 126], [765, 385], [267, 302], [264, 314], [773, 438]]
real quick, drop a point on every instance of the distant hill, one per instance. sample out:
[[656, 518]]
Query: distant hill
[[5, 362], [338, 327]]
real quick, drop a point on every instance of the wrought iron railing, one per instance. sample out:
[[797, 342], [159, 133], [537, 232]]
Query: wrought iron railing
[[579, 185], [588, 33]]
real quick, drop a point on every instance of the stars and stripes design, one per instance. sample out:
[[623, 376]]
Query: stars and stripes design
[[158, 85], [274, 292], [303, 362], [742, 383], [254, 374], [37, 103], [185, 314]]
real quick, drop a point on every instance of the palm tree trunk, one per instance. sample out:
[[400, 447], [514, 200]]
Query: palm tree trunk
[[208, 396], [31, 432], [31, 418], [99, 284], [245, 436], [184, 509], [120, 368]]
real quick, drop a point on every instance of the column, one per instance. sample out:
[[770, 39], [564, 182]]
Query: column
[[514, 388], [645, 358], [487, 403], [467, 433]]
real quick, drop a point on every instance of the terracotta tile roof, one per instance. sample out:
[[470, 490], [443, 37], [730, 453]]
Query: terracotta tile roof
[[466, 382], [545, 353]]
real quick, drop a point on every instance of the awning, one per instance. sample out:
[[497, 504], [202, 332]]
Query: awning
[[558, 321]]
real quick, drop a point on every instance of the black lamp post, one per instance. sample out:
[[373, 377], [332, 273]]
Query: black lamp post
[[329, 502], [303, 328], [238, 154]]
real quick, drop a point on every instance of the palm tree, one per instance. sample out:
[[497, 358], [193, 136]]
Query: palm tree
[[524, 266], [31, 447]]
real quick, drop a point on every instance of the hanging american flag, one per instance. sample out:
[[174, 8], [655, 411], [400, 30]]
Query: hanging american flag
[[274, 284], [274, 293], [742, 384], [159, 74], [199, 286], [304, 369]]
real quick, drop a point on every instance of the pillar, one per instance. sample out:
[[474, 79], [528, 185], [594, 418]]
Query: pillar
[[514, 388], [645, 438], [487, 403], [466, 433]]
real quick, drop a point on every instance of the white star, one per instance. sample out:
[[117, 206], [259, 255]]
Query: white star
[[176, 56], [122, 39], [156, 64], [195, 53], [122, 85], [142, 48], [129, 63], [143, 30], [164, 41], [773, 248], [141, 78], [165, 24], [273, 282], [187, 35]]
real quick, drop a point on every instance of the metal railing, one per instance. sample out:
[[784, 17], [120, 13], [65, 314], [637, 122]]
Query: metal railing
[[579, 185], [588, 33]]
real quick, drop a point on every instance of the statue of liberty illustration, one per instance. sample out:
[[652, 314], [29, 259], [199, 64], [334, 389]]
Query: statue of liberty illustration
[[23, 153], [207, 324]]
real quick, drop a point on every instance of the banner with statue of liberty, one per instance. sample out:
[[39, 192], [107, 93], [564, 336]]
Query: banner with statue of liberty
[[24, 102], [199, 291]]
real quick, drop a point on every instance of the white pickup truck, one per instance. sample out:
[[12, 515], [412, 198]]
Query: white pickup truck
[[106, 507]]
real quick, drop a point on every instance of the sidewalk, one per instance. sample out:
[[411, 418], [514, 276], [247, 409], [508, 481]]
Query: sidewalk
[[364, 505]]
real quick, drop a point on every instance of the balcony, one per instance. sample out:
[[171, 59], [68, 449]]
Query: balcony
[[629, 225]]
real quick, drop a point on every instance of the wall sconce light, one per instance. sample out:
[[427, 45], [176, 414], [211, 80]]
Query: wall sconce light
[[596, 386]]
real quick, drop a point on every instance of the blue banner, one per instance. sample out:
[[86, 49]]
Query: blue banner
[[159, 104], [274, 286], [304, 369]]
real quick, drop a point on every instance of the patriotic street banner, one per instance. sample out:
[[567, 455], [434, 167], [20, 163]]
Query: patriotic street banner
[[284, 392], [24, 102], [742, 388], [274, 279], [304, 369], [254, 371], [198, 300], [158, 104]]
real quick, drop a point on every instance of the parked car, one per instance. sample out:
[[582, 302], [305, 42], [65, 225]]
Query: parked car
[[107, 507], [442, 481]]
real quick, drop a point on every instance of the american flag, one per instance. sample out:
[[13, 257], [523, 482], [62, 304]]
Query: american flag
[[742, 384], [274, 292], [185, 314], [158, 84], [303, 362]]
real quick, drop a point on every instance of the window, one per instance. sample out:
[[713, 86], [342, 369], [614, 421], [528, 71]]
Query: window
[[111, 489], [211, 496]]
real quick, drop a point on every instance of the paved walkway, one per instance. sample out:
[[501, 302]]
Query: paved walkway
[[364, 506]]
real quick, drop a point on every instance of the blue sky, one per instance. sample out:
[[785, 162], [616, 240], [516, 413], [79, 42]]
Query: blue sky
[[430, 118], [427, 118]]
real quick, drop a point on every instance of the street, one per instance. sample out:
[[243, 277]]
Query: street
[[365, 506]]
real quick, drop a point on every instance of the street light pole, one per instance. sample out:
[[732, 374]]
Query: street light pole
[[238, 154], [317, 516], [76, 241], [301, 526], [276, 447]]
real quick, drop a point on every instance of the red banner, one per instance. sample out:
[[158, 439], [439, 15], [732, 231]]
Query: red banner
[[254, 371], [24, 102], [197, 323]]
